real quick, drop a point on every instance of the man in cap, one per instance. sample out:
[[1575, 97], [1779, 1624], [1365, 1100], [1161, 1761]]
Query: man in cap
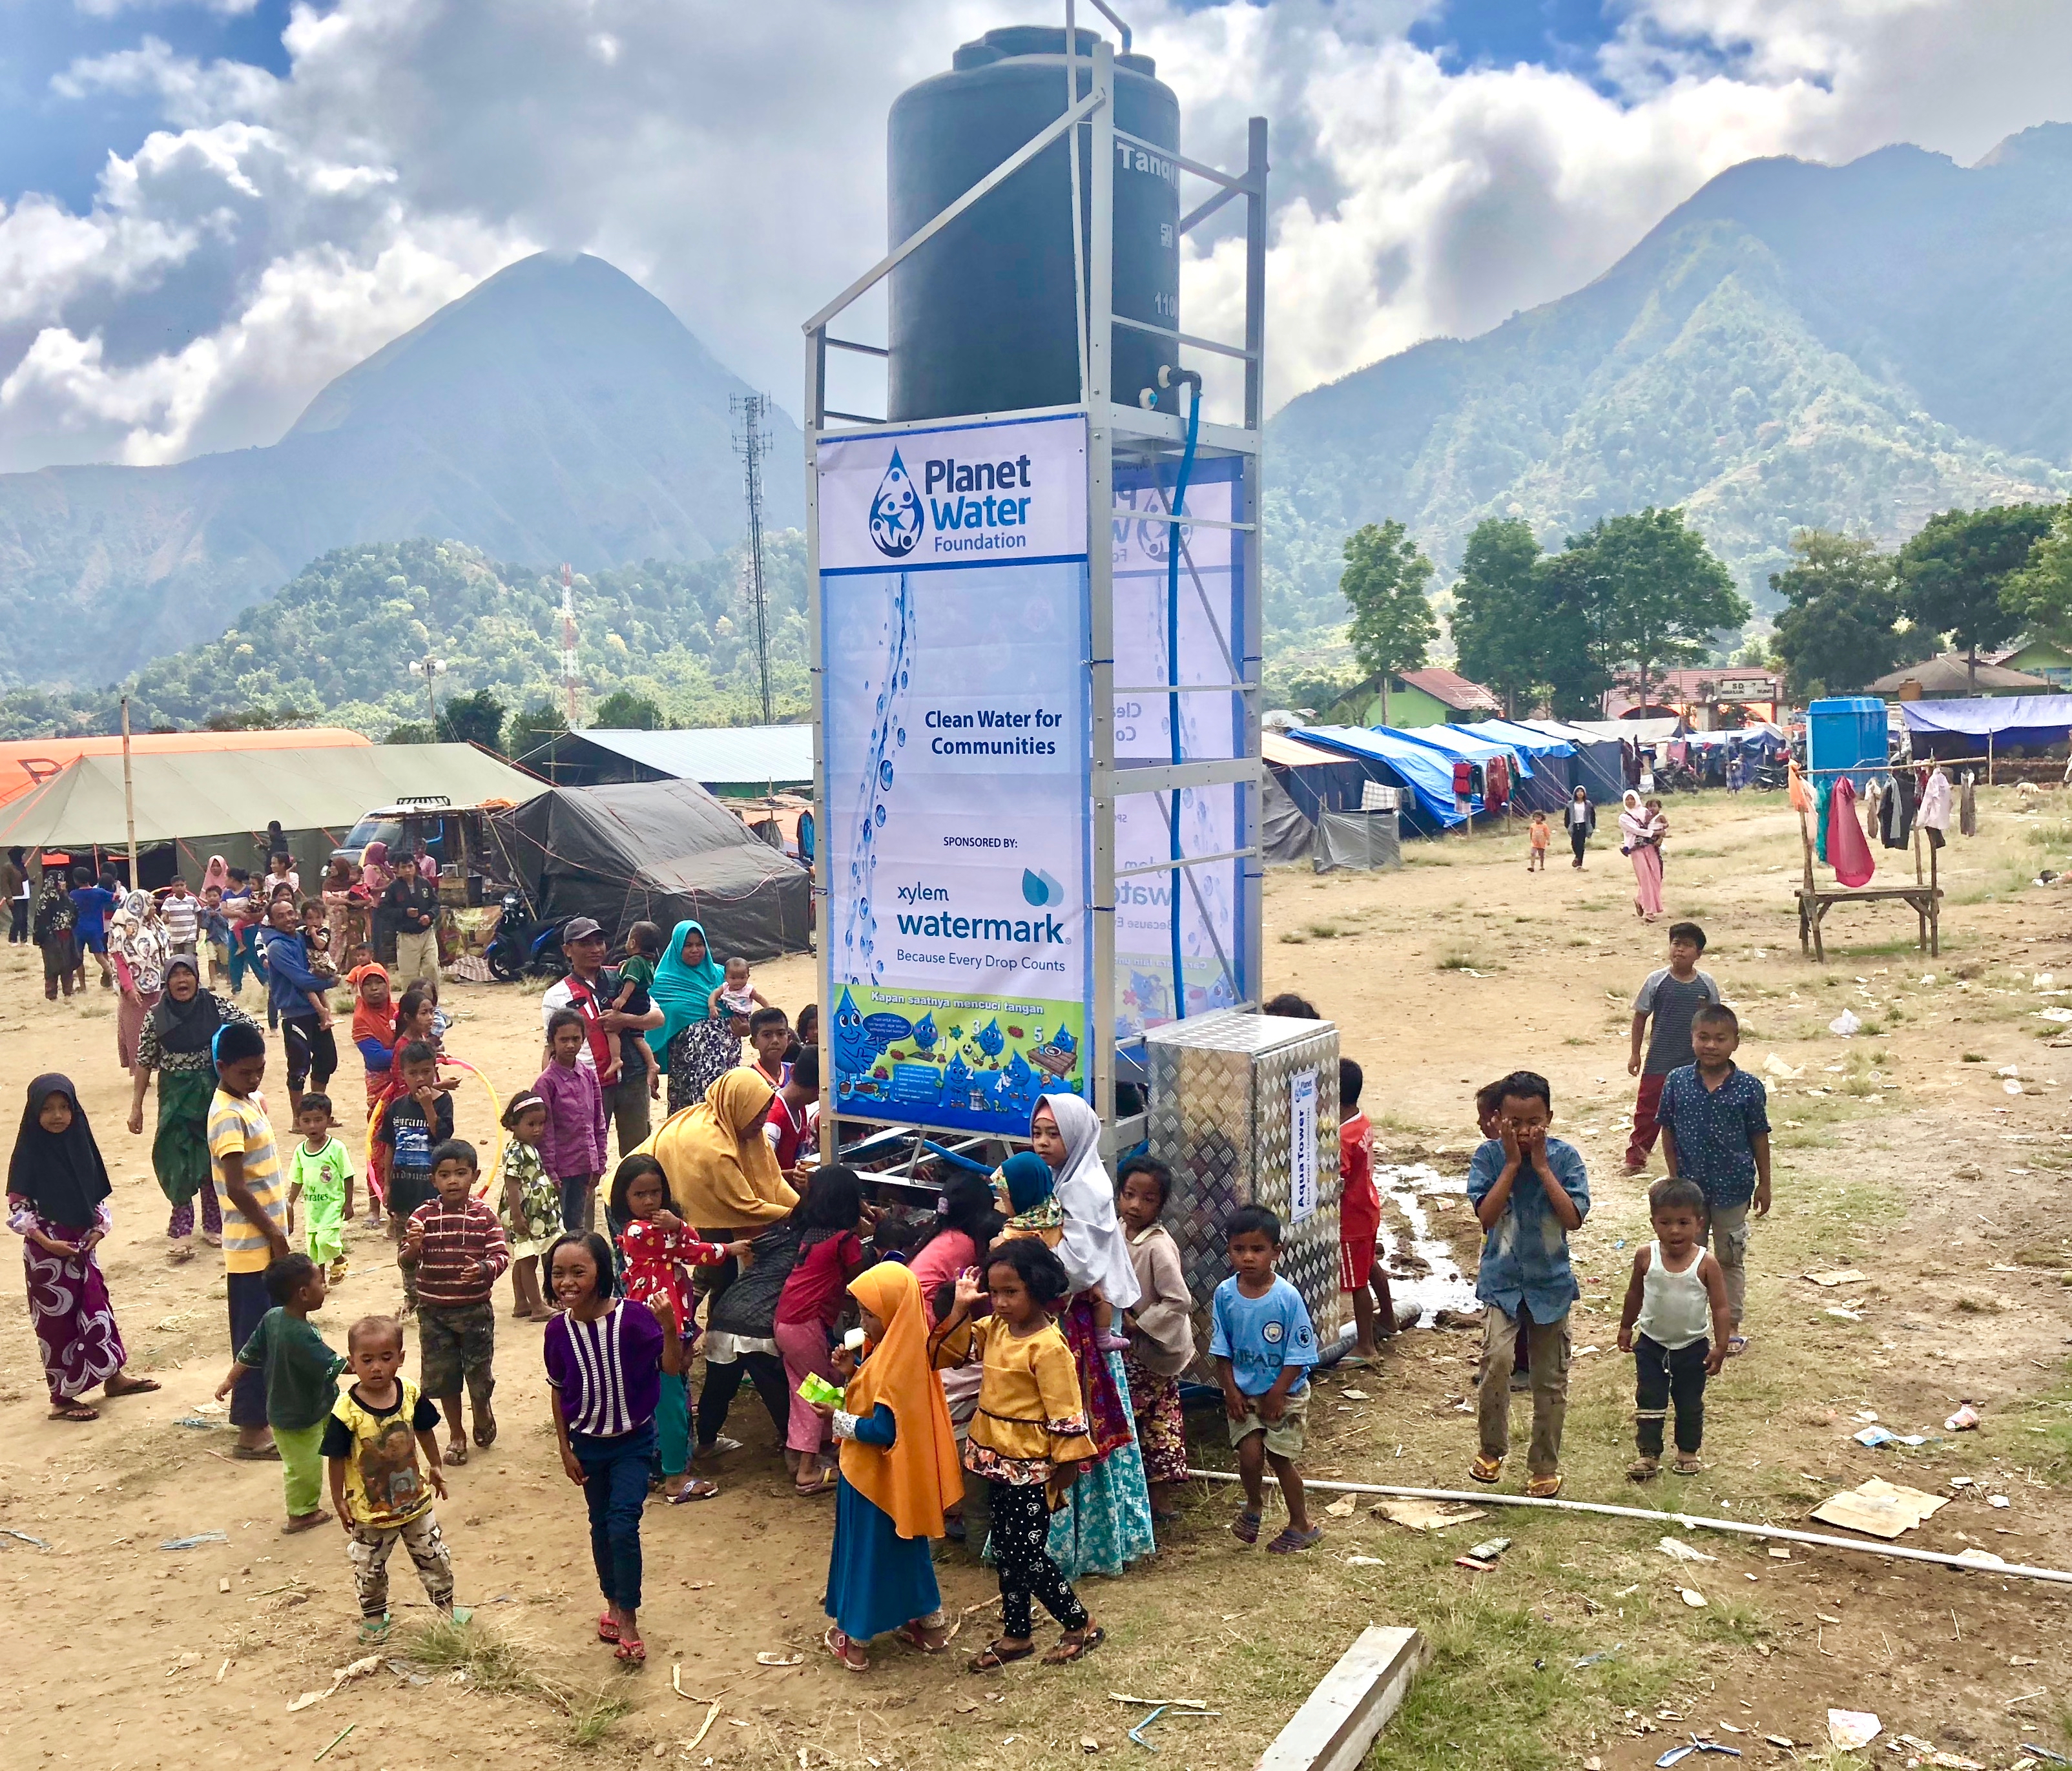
[[590, 990]]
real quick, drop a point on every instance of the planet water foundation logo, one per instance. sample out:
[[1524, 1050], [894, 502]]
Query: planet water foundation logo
[[895, 512]]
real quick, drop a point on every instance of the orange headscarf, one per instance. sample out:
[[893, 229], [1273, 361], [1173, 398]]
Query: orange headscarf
[[369, 1023], [919, 1475]]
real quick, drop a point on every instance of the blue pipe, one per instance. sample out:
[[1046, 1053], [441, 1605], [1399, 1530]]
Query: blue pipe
[[1167, 376]]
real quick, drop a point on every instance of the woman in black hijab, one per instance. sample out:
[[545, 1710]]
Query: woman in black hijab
[[57, 1203], [174, 1046]]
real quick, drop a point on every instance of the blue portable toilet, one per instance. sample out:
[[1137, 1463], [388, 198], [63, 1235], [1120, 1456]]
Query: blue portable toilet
[[1847, 732]]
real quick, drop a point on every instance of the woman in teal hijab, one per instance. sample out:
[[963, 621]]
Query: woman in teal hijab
[[684, 1042]]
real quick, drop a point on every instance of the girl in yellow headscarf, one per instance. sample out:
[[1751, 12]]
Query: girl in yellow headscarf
[[720, 1168], [899, 1469]]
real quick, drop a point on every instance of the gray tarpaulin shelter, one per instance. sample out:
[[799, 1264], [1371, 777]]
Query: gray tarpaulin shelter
[[658, 852], [191, 805], [1284, 834], [725, 759], [1598, 766]]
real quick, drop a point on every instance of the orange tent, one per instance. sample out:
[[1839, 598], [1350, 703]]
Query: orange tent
[[27, 763]]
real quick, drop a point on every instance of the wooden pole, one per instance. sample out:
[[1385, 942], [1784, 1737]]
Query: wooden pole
[[1989, 759], [130, 798]]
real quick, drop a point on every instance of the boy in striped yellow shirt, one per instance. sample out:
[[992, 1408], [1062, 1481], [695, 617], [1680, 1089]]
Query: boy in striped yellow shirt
[[246, 1165]]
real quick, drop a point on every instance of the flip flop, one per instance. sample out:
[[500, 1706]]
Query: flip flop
[[1643, 1469], [374, 1630], [1485, 1470], [698, 1490], [456, 1453], [915, 1637], [305, 1522], [993, 1657], [1737, 1345], [1075, 1645], [75, 1410], [257, 1454], [1543, 1488], [607, 1628], [1687, 1466], [841, 1647], [631, 1650], [485, 1429], [825, 1485], [130, 1387]]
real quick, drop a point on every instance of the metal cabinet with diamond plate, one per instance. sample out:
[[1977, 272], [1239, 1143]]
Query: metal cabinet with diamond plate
[[1244, 1110]]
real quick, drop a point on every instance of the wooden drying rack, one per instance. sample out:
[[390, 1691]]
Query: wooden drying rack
[[1924, 894]]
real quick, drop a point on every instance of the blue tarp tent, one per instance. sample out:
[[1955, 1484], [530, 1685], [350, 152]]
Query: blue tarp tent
[[1530, 789], [1424, 774], [1961, 727]]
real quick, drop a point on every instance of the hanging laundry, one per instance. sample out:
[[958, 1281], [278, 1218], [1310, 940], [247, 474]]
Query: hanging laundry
[[1823, 791], [1848, 854], [1935, 806], [1496, 772]]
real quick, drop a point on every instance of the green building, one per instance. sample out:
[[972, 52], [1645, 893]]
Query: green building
[[2038, 657], [1431, 696]]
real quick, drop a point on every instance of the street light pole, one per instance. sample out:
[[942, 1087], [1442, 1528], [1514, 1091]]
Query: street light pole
[[429, 667]]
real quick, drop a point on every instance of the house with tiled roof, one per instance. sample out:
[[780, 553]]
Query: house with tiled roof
[[1433, 696]]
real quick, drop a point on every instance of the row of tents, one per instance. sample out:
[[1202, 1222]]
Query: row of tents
[[1316, 770]]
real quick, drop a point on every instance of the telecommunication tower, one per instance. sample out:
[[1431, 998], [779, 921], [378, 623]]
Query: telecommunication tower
[[751, 442], [570, 685]]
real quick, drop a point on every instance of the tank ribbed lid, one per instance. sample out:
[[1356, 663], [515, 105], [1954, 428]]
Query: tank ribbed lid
[[1008, 41]]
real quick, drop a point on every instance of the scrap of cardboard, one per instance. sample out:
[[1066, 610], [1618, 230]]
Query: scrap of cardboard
[[1838, 1275], [1428, 1515], [1879, 1508]]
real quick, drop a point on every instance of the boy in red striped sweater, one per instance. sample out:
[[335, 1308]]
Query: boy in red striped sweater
[[458, 1250]]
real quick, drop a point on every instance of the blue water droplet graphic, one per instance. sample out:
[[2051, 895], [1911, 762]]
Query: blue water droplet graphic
[[895, 513], [879, 815], [902, 734], [885, 774]]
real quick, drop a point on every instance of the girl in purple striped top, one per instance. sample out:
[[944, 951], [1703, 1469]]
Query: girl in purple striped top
[[605, 1360]]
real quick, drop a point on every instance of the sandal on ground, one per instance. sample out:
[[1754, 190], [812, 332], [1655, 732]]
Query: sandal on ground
[[485, 1428], [304, 1522], [1543, 1488], [824, 1483], [697, 1490], [915, 1637], [1075, 1645], [257, 1454], [1737, 1345], [1245, 1527], [74, 1411], [853, 1659], [719, 1447], [1165, 1516], [995, 1655], [1687, 1463], [1485, 1470], [176, 1257], [1291, 1540], [607, 1628], [122, 1384], [631, 1650], [1643, 1469], [373, 1629], [457, 1452]]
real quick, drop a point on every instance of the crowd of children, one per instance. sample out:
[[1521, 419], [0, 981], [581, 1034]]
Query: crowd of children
[[1031, 1336]]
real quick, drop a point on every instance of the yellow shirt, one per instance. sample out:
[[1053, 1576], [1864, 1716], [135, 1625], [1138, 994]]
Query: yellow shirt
[[241, 1127], [383, 1487], [1031, 1416]]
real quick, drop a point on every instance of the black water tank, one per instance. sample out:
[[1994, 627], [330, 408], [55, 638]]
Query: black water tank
[[981, 316]]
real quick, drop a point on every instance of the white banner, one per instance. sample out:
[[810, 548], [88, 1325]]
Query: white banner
[[954, 612], [1302, 1145]]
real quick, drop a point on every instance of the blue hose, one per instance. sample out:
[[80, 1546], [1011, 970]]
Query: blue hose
[[1172, 663]]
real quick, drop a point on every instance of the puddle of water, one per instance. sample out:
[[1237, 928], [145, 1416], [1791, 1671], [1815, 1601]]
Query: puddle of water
[[1442, 1286]]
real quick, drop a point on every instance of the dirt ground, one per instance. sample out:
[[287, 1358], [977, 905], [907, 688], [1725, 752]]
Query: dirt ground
[[1902, 1152]]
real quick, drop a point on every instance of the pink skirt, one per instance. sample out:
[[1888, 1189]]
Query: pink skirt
[[805, 1346]]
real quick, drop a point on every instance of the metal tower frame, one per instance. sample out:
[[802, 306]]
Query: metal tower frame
[[1114, 431]]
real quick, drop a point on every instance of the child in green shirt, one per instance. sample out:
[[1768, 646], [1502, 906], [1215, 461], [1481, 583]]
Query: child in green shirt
[[320, 1175], [636, 979], [301, 1381]]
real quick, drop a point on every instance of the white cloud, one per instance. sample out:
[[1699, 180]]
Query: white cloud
[[733, 158]]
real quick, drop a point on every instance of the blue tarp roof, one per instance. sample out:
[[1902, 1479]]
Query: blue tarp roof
[[1422, 770], [1457, 741], [2010, 719], [1521, 738]]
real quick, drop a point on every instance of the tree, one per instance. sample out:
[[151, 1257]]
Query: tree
[[1840, 627], [1498, 606], [532, 728], [1953, 572], [1384, 584], [2041, 592], [473, 719], [410, 732], [623, 711], [1662, 595]]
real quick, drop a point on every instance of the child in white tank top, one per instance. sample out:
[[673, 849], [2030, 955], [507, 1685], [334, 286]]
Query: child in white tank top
[[1677, 1292]]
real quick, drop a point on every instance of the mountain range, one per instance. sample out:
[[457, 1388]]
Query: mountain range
[[1852, 348], [557, 412]]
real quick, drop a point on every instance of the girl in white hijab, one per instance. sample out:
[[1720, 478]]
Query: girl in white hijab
[[1105, 1521]]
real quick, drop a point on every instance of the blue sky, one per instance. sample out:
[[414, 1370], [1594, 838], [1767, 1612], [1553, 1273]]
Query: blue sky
[[60, 145]]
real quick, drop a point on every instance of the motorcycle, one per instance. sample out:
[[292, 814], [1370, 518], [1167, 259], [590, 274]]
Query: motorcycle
[[1676, 777], [522, 945]]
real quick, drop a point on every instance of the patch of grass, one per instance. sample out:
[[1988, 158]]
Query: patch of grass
[[1973, 1058], [593, 1716], [1293, 937], [1975, 1306], [1458, 959], [491, 1660], [1325, 931]]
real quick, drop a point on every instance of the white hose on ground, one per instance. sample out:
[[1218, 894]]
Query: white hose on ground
[[1687, 1521]]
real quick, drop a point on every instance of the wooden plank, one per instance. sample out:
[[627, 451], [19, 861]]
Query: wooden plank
[[1351, 1704]]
